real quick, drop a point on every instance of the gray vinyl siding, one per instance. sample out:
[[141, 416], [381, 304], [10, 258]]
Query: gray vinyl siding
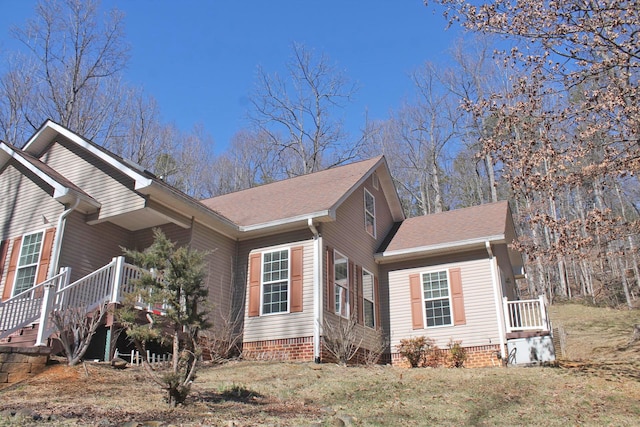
[[220, 261], [481, 326], [348, 235], [142, 239], [501, 252], [109, 186], [27, 206], [283, 325], [27, 203], [85, 248]]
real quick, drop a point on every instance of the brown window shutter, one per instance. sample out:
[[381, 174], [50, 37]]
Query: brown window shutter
[[296, 280], [359, 295], [4, 249], [330, 299], [416, 301], [45, 257], [255, 268], [457, 299], [376, 309], [353, 304], [11, 270]]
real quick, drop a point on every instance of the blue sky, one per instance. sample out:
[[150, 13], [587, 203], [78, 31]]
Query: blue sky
[[199, 58]]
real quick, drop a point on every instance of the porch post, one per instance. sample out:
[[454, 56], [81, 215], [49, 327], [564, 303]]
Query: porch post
[[543, 312], [507, 314], [47, 300], [118, 263]]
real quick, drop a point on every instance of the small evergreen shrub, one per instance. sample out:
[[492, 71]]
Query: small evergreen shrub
[[457, 354]]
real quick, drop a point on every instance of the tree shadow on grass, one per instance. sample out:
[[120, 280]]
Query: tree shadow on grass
[[235, 393]]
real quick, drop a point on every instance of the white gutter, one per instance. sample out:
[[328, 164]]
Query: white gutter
[[497, 299], [317, 290], [285, 221], [57, 241], [390, 255]]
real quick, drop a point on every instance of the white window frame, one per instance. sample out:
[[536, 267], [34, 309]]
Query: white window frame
[[341, 290], [425, 300], [365, 300], [20, 266], [264, 283], [368, 214]]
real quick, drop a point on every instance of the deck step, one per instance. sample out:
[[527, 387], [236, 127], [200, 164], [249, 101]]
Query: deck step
[[23, 337]]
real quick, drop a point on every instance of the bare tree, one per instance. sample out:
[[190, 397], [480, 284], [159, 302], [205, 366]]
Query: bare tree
[[566, 132], [248, 162], [73, 66], [417, 140], [299, 114]]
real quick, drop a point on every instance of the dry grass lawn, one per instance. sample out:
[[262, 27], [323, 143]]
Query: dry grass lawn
[[598, 386]]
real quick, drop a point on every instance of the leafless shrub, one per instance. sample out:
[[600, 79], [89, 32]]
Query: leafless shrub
[[76, 326], [341, 338], [222, 341], [371, 356]]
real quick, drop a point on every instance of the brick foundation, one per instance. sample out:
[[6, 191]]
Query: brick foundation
[[477, 357], [289, 349], [18, 363]]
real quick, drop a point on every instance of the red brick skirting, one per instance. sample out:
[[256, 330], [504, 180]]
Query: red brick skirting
[[477, 357], [291, 349]]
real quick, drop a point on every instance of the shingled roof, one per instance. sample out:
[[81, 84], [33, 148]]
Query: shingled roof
[[448, 230], [315, 195]]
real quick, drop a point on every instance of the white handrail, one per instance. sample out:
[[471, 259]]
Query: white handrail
[[107, 284], [26, 307], [103, 285], [526, 315]]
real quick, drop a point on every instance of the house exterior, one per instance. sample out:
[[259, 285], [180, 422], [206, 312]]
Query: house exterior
[[293, 259]]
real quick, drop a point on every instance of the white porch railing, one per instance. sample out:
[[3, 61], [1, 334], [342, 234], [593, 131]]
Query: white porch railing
[[106, 284], [25, 308], [526, 315]]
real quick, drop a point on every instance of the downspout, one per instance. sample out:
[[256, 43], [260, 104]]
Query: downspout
[[57, 241], [497, 299], [317, 294]]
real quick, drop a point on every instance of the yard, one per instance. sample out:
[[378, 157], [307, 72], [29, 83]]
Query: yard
[[598, 383]]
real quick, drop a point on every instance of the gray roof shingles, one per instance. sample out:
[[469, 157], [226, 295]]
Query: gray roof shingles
[[290, 198], [476, 222]]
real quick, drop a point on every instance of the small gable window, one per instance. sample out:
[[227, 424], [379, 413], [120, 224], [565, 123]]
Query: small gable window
[[28, 262], [341, 280], [369, 213], [275, 282]]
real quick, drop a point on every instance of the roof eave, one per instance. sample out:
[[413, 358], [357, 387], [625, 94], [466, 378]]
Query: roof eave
[[438, 249], [322, 216], [192, 208], [47, 133], [61, 192]]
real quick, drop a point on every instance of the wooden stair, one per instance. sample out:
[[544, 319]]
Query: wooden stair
[[23, 337]]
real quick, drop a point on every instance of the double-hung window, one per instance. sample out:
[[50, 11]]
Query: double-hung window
[[341, 288], [437, 299], [368, 298], [27, 266], [275, 282], [369, 213]]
